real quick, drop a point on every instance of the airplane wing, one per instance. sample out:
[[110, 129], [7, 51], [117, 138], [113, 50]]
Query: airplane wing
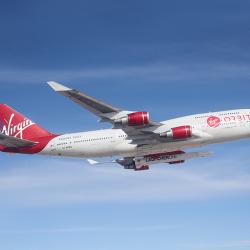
[[131, 122], [13, 142], [93, 105], [106, 113]]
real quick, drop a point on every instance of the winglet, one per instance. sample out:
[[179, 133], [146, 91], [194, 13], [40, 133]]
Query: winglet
[[57, 86]]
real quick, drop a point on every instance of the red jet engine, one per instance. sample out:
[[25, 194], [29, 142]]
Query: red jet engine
[[135, 119], [181, 132]]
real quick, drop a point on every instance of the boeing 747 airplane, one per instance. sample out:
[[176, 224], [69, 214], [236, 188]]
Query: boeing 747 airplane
[[134, 139]]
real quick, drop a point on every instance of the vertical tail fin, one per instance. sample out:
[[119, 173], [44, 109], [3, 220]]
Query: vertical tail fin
[[15, 124]]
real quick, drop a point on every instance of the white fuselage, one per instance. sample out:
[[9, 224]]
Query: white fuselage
[[208, 128]]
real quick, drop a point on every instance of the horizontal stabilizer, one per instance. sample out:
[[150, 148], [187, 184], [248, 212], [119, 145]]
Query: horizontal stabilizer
[[13, 142], [92, 162]]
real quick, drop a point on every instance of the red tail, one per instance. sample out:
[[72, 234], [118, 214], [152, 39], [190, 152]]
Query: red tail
[[15, 124]]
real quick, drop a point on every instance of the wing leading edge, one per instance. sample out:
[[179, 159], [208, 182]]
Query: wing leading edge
[[93, 105], [104, 111]]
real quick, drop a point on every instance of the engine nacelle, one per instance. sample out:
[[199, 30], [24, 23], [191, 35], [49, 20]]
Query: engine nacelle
[[135, 119], [182, 132]]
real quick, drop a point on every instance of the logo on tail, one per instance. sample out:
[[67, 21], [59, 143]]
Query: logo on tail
[[15, 130]]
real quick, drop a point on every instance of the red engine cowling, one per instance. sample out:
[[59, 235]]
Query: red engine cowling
[[182, 132], [135, 119], [138, 119]]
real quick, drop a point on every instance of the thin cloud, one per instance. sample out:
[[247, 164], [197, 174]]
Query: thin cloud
[[52, 182], [218, 245], [157, 71], [96, 229]]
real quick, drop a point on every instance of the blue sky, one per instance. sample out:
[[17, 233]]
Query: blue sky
[[170, 58]]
